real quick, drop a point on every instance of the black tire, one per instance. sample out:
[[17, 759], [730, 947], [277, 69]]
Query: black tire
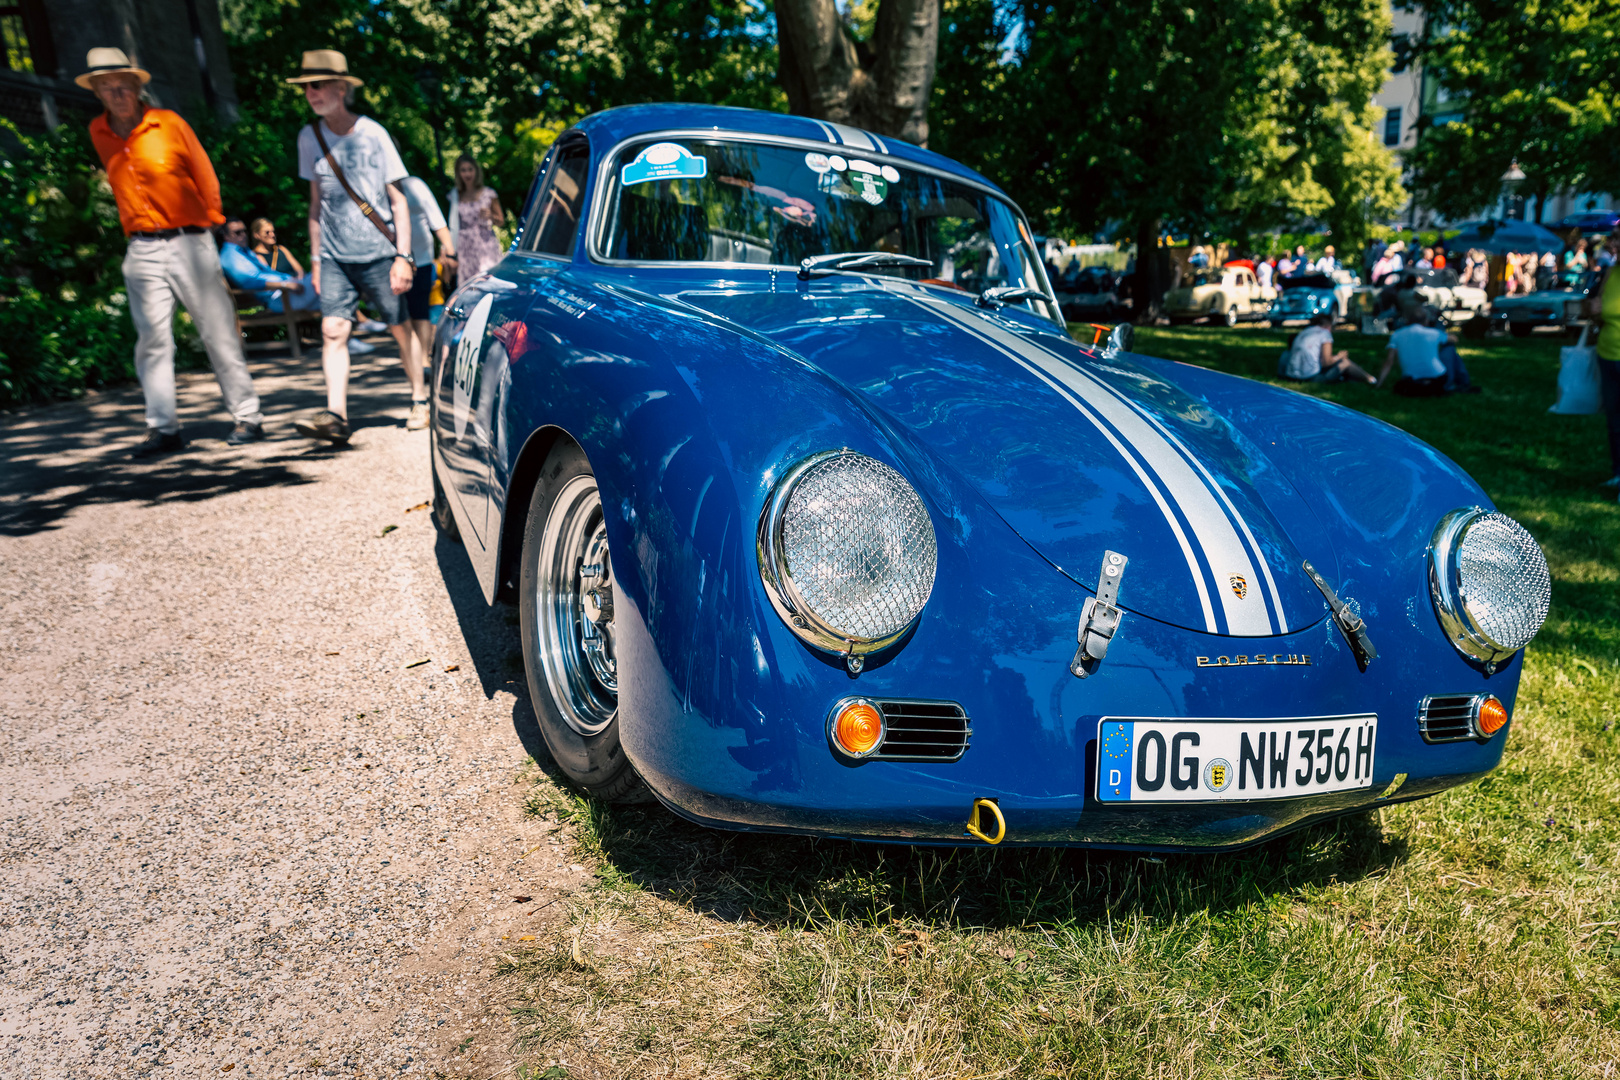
[[1232, 316], [562, 677], [1520, 329], [442, 515]]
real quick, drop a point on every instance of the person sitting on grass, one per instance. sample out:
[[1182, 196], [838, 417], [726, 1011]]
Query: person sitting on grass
[[247, 271], [1311, 357], [1430, 363]]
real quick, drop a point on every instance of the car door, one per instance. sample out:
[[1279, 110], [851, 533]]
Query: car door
[[485, 334]]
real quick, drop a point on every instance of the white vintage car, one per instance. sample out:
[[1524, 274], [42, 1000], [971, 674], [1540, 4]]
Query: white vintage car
[[1226, 296], [1438, 288]]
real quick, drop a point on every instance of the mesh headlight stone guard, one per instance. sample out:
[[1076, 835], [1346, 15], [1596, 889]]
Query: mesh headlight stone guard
[[847, 553], [1489, 582]]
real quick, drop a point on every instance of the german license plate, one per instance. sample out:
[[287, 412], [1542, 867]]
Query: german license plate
[[1217, 760]]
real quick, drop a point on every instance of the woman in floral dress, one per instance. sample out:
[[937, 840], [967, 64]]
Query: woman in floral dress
[[475, 212]]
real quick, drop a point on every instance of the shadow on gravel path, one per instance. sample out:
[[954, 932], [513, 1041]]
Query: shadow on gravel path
[[58, 458]]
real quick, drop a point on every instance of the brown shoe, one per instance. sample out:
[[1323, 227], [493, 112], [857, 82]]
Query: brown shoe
[[245, 432], [156, 442], [326, 425]]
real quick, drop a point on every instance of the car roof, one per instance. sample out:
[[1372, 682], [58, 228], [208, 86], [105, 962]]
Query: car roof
[[611, 126]]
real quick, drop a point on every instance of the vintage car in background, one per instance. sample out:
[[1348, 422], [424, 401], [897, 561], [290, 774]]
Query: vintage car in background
[[1304, 296], [1094, 294], [1544, 307], [1438, 288], [817, 521], [1227, 296]]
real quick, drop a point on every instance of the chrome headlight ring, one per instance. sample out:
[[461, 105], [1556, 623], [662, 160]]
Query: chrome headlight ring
[[847, 553], [1489, 582]]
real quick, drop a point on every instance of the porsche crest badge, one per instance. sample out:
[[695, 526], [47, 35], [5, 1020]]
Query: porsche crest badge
[[1239, 585]]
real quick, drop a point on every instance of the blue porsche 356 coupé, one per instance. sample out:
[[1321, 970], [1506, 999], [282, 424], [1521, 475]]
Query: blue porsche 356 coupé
[[818, 520]]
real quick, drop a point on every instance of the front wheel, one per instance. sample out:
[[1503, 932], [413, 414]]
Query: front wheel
[[1231, 316], [1520, 329], [566, 597]]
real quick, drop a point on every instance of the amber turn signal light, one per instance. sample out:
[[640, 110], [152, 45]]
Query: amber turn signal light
[[1490, 718], [857, 729]]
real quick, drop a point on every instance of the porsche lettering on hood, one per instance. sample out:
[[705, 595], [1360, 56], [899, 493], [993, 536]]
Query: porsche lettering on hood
[[1048, 435]]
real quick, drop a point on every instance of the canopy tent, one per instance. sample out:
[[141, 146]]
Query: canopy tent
[[1502, 237]]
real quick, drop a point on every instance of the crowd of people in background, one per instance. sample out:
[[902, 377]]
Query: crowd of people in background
[[373, 228], [184, 249]]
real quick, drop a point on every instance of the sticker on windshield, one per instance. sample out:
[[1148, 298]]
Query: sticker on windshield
[[891, 174], [872, 189], [817, 163], [838, 163], [664, 161]]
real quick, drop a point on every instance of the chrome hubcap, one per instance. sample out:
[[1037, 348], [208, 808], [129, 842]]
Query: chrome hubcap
[[574, 599]]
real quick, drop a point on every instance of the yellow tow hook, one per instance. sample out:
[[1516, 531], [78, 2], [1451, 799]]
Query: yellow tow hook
[[995, 812]]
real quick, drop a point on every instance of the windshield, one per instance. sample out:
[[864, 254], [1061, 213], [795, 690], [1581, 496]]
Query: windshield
[[1308, 281], [725, 201]]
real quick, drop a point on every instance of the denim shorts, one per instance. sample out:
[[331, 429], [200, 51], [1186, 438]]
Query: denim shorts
[[343, 285]]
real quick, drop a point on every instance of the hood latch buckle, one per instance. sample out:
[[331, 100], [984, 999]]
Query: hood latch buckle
[[1350, 624], [1099, 618]]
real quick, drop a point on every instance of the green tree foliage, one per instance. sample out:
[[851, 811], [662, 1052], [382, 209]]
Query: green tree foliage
[[1229, 117], [1533, 81], [498, 79], [61, 293]]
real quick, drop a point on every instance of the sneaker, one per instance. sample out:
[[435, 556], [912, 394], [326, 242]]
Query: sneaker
[[326, 425], [360, 348], [157, 442], [370, 326], [245, 432], [418, 418]]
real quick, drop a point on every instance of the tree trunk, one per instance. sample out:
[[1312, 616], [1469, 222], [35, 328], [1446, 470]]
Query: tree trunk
[[1147, 287], [882, 87]]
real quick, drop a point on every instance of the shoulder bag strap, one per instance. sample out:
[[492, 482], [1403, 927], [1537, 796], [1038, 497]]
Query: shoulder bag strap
[[365, 207]]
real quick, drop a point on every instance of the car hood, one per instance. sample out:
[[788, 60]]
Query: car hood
[[1540, 298], [1076, 453]]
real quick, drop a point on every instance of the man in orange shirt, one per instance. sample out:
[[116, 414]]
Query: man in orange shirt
[[168, 197]]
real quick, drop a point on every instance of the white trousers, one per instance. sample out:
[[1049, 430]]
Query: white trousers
[[184, 268]]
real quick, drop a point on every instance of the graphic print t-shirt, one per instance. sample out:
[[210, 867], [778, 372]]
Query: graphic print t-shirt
[[370, 162]]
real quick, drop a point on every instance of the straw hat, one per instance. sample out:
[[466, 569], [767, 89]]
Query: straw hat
[[109, 62], [323, 64]]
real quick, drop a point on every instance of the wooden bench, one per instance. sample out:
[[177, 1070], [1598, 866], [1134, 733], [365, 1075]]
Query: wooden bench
[[251, 312]]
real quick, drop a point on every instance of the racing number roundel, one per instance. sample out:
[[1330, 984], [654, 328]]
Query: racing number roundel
[[468, 353]]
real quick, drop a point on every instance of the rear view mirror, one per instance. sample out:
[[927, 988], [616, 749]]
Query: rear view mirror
[[1120, 339]]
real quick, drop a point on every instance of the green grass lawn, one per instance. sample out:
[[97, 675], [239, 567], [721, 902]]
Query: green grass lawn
[[1474, 934]]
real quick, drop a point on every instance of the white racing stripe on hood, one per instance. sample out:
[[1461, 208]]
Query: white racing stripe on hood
[[1270, 583], [1212, 529]]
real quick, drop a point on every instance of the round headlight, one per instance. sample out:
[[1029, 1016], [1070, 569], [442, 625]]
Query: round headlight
[[1489, 582], [847, 553]]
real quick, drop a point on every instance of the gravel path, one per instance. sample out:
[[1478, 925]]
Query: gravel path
[[246, 829]]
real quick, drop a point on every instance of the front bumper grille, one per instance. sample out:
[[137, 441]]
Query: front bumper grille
[[1445, 718], [923, 731]]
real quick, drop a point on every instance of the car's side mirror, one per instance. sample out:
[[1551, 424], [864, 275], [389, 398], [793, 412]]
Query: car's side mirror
[[1120, 339]]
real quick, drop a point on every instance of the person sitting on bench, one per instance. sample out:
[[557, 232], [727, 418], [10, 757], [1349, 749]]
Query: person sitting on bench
[[245, 270]]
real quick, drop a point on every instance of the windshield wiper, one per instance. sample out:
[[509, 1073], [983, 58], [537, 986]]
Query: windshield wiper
[[856, 260], [1001, 295]]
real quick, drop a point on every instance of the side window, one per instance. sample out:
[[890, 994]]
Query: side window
[[560, 203]]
